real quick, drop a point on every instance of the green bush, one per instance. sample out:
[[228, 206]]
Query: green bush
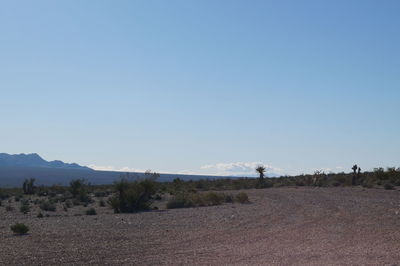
[[100, 194], [133, 196], [3, 195], [262, 183], [187, 199], [29, 186], [242, 198], [388, 186], [68, 204], [180, 201], [47, 206], [25, 207], [19, 229], [79, 189], [102, 203], [91, 211], [229, 198], [17, 198], [212, 198]]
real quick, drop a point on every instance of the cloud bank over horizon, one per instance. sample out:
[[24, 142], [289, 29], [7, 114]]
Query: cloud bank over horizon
[[244, 169], [241, 169]]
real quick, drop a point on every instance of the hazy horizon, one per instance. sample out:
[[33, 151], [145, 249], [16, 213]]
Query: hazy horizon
[[202, 87]]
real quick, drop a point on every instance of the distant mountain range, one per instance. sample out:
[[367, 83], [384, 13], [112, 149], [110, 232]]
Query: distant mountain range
[[14, 169], [34, 160]]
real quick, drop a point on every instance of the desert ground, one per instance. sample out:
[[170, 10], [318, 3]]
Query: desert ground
[[281, 226]]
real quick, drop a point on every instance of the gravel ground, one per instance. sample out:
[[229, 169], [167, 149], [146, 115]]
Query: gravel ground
[[281, 226]]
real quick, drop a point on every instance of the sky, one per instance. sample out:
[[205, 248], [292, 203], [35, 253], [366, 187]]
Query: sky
[[202, 87]]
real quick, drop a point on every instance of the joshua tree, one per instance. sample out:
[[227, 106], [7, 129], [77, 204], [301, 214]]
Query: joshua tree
[[260, 169], [354, 168], [28, 186]]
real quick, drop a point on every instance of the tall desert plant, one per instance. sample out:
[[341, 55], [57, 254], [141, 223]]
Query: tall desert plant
[[261, 170], [29, 186]]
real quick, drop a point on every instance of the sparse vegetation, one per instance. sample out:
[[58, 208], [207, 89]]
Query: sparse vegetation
[[29, 186], [79, 189], [47, 205], [19, 229], [102, 203], [187, 199], [25, 206], [242, 198], [91, 211], [133, 196], [388, 186]]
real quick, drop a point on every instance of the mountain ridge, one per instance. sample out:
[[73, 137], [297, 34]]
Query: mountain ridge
[[35, 160]]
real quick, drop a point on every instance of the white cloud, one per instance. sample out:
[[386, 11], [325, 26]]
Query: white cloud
[[219, 169], [112, 168], [239, 169]]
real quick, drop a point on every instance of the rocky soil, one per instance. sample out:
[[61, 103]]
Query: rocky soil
[[281, 226]]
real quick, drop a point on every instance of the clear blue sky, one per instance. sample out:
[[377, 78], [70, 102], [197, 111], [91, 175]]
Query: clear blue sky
[[202, 86]]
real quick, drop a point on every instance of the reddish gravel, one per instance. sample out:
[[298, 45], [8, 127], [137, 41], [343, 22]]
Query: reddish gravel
[[281, 226]]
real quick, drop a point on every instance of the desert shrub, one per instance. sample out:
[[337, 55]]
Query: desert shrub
[[180, 201], [177, 186], [91, 211], [187, 199], [17, 198], [39, 215], [229, 198], [262, 183], [212, 198], [278, 184], [388, 186], [68, 204], [368, 185], [133, 196], [200, 185], [9, 208], [47, 205], [368, 182], [339, 180], [102, 203], [76, 202], [242, 197], [25, 207], [19, 229], [29, 186], [158, 197], [100, 194], [380, 173], [79, 189], [3, 195]]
